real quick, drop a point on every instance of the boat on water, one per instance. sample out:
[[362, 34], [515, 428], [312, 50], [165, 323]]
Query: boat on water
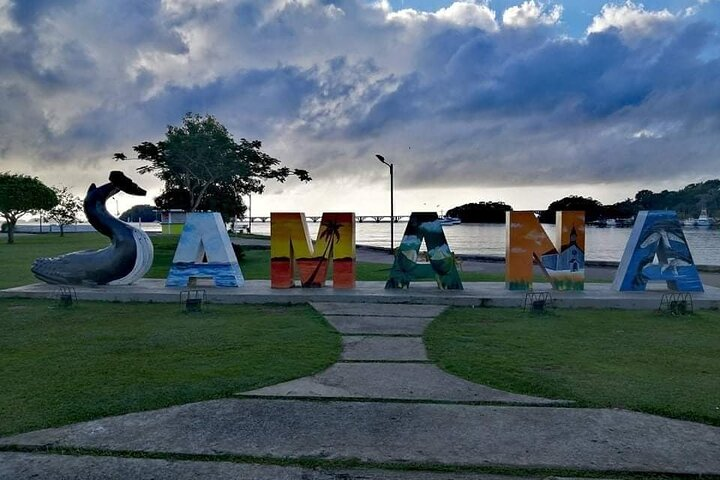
[[446, 221], [613, 222], [624, 222], [703, 219]]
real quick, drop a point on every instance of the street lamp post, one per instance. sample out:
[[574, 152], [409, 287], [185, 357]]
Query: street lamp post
[[249, 229], [392, 204]]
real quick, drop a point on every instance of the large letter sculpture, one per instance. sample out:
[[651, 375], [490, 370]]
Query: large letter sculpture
[[204, 237], [126, 260], [657, 233], [290, 244], [441, 261], [527, 241]]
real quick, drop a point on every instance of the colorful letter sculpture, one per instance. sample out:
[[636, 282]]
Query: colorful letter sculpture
[[290, 244], [527, 241], [657, 233], [126, 260], [204, 237], [441, 261]]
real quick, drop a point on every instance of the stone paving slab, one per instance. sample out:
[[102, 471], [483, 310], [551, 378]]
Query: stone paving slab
[[487, 294], [379, 309], [394, 381], [528, 437], [357, 347], [27, 466], [373, 325]]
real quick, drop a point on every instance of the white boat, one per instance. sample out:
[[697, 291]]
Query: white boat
[[447, 221], [704, 220]]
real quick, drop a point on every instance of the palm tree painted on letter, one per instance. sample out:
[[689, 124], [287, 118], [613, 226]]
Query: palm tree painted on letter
[[331, 234]]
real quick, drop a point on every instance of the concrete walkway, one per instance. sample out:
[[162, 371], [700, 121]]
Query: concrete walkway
[[384, 358], [383, 403]]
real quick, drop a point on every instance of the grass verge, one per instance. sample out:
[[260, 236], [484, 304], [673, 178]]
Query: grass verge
[[60, 366], [637, 360]]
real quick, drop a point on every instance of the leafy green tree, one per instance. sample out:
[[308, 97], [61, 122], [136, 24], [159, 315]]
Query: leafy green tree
[[481, 212], [687, 202], [593, 209], [67, 210], [20, 195], [224, 199], [201, 154], [139, 213]]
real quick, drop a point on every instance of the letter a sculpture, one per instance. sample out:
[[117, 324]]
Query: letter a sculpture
[[204, 238], [440, 265], [657, 234]]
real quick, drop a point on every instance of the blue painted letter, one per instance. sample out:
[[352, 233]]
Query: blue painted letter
[[204, 235], [657, 233]]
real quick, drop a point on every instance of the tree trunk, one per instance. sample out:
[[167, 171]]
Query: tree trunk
[[196, 203], [11, 232], [62, 230]]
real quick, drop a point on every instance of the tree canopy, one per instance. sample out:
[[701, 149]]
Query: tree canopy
[[224, 199], [687, 202], [593, 209], [481, 212], [139, 213], [20, 195], [201, 158], [67, 209]]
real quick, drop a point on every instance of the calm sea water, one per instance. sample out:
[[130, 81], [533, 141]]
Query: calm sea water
[[489, 239]]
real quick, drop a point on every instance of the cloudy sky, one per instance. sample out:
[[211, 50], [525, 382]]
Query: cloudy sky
[[520, 101]]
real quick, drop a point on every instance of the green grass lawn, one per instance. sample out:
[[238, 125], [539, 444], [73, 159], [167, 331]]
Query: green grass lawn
[[16, 259], [59, 366], [637, 360]]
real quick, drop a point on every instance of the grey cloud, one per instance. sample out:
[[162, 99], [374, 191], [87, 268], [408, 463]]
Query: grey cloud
[[326, 85]]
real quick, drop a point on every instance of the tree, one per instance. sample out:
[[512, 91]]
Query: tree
[[687, 202], [139, 213], [224, 199], [201, 153], [482, 212], [67, 209], [593, 209], [20, 195]]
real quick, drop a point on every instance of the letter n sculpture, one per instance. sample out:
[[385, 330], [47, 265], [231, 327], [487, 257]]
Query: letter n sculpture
[[657, 233], [290, 245], [440, 264], [528, 242], [204, 238]]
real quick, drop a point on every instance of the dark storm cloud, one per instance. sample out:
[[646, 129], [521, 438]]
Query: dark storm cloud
[[324, 84]]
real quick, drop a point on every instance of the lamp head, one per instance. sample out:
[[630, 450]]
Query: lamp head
[[382, 159]]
